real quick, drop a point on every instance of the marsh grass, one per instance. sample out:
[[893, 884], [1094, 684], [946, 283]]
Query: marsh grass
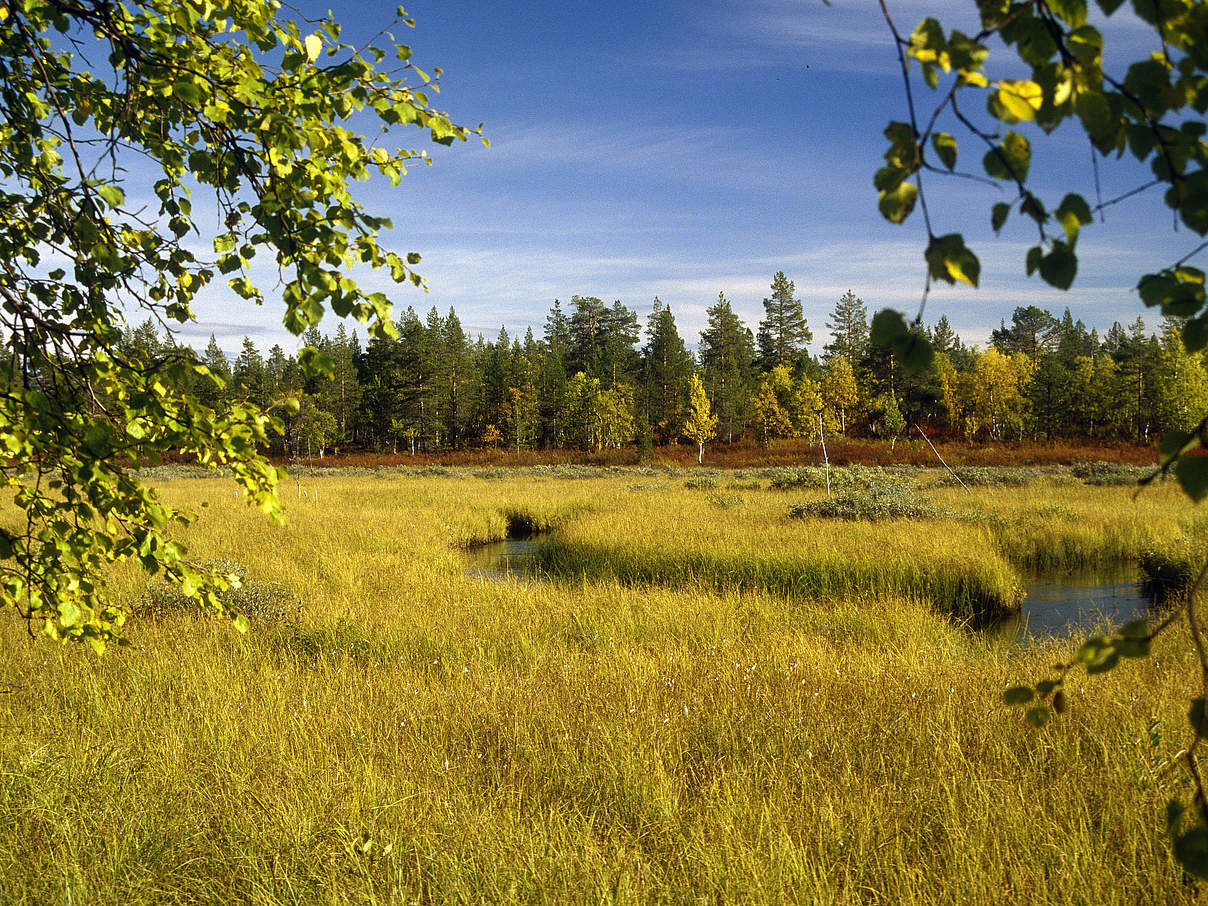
[[422, 735]]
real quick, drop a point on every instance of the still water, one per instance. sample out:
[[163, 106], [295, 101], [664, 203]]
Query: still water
[[1062, 604], [1056, 604], [515, 558]]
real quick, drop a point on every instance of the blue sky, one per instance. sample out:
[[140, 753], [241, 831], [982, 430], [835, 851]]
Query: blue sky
[[680, 149]]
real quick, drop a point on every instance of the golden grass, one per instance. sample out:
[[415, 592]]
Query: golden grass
[[421, 735]]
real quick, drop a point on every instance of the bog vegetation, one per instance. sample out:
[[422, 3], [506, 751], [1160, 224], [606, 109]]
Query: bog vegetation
[[709, 699]]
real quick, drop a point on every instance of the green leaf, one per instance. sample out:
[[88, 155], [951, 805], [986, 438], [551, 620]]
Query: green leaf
[[999, 214], [896, 205], [1072, 11], [1059, 267], [1073, 213], [945, 148], [1195, 334], [1018, 695], [1038, 716], [1174, 442], [888, 178], [1192, 474], [1191, 849], [888, 326], [1193, 203], [113, 195], [911, 348], [1010, 160], [315, 362], [1095, 114], [1109, 6], [1020, 99], [69, 614], [914, 352], [188, 91], [1098, 655], [950, 261]]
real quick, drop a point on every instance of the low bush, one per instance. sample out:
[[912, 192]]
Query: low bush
[[1108, 473], [882, 500], [265, 601], [989, 477]]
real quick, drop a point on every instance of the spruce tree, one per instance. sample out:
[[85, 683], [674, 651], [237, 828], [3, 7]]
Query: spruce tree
[[667, 366], [727, 357]]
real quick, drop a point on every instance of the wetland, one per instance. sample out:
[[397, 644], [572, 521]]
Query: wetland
[[717, 700]]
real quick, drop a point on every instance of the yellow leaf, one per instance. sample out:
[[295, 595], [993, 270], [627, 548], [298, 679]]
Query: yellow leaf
[[1021, 99], [314, 44], [1064, 89]]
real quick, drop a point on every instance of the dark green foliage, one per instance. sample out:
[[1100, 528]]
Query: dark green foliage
[[727, 358], [783, 333], [848, 325], [666, 369]]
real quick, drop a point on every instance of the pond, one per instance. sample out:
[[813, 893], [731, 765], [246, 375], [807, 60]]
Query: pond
[[1056, 604], [1059, 604], [510, 559]]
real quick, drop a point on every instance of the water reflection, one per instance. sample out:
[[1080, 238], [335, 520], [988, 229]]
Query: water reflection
[[1068, 603], [501, 560]]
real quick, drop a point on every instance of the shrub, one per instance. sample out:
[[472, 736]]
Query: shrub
[[254, 599], [882, 500], [784, 479], [1108, 473], [990, 477]]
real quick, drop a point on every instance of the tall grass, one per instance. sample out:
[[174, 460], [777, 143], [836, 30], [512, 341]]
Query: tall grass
[[415, 734]]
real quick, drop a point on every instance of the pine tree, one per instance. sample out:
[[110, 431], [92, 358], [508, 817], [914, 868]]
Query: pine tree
[[848, 325], [585, 329], [341, 392], [1033, 332], [783, 333], [617, 360]]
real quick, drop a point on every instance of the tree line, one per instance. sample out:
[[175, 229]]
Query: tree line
[[596, 378]]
